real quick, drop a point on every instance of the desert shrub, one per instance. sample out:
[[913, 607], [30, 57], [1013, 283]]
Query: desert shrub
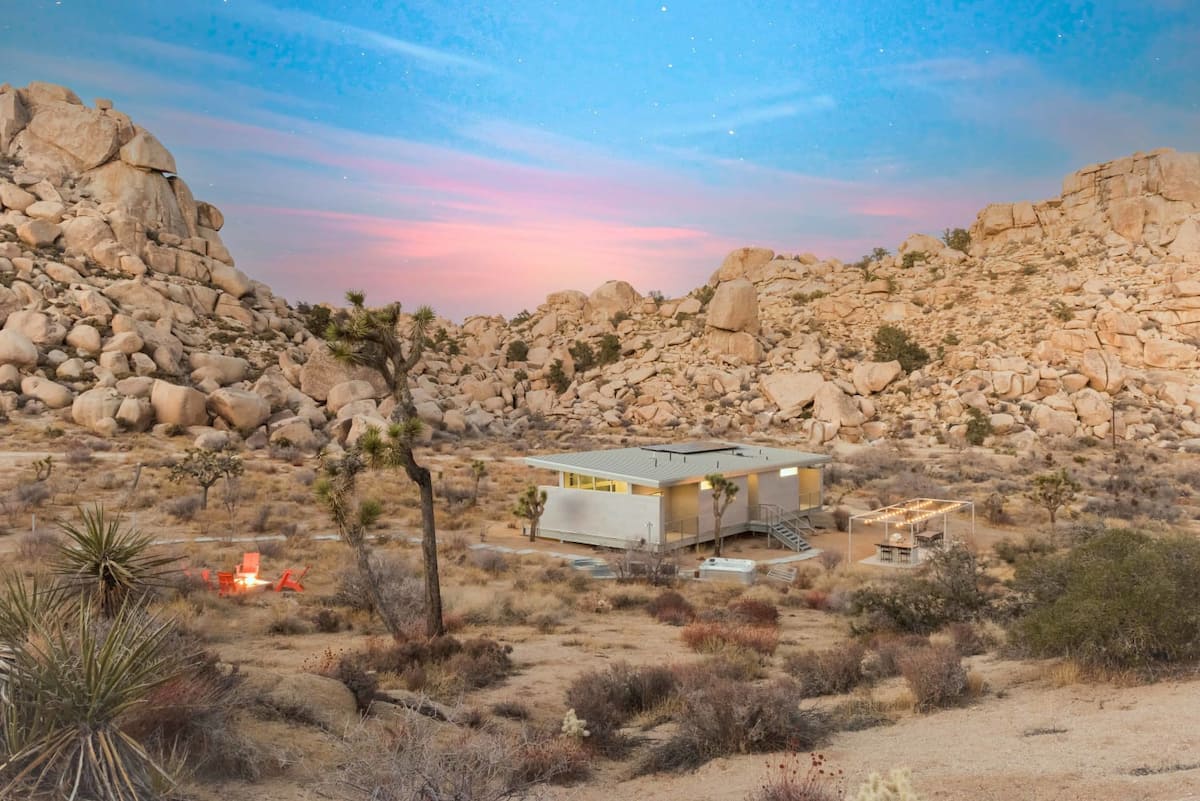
[[721, 717], [550, 760], [610, 349], [403, 590], [557, 377], [466, 664], [1120, 600], [37, 546], [957, 238], [935, 675], [29, 495], [287, 623], [993, 510], [183, 508], [841, 518], [947, 590], [895, 344], [583, 355], [882, 660], [513, 710], [799, 778], [606, 699], [710, 637], [262, 519], [967, 639], [831, 672], [329, 621], [859, 713], [753, 612], [493, 562], [516, 351], [1012, 552], [672, 608], [979, 426]]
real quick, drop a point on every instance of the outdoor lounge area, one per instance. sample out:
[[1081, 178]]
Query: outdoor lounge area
[[657, 496], [906, 533]]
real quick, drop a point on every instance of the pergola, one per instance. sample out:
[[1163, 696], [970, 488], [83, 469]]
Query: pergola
[[906, 528]]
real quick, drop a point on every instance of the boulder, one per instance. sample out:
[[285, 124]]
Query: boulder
[[127, 342], [13, 118], [297, 432], [738, 344], [14, 197], [229, 278], [921, 243], [831, 405], [10, 378], [1176, 176], [146, 152], [347, 392], [17, 350], [321, 372], [323, 700], [791, 392], [87, 135], [734, 307], [995, 218], [38, 327], [871, 377], [82, 234], [1168, 354], [1103, 370], [178, 405], [241, 408], [1187, 238], [225, 370], [209, 216], [54, 395], [611, 297], [134, 295], [95, 405], [39, 93], [38, 233], [144, 196], [135, 414], [741, 262]]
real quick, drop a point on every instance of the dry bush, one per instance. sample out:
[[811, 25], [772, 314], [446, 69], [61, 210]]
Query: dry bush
[[401, 588], [710, 637], [443, 664], [753, 612], [350, 670], [29, 495], [968, 639], [426, 761], [732, 662], [831, 672], [800, 778], [887, 648], [37, 546], [935, 676], [329, 621], [513, 710], [286, 622], [628, 599], [183, 508], [490, 561], [861, 712], [261, 519], [719, 717], [671, 608], [607, 699]]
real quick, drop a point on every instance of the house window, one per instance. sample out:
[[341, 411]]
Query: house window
[[788, 471], [705, 485]]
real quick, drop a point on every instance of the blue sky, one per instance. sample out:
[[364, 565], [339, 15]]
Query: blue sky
[[479, 156]]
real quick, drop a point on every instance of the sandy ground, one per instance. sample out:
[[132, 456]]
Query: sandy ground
[[1025, 738]]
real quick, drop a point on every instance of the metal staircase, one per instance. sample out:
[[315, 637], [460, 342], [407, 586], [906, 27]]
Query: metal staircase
[[788, 529]]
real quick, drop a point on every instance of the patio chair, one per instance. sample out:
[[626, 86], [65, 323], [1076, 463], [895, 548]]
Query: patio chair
[[249, 565], [292, 583], [225, 584]]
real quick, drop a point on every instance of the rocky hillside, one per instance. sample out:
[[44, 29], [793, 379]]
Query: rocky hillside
[[122, 309]]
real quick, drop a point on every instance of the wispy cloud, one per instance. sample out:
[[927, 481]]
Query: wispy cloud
[[181, 55], [730, 121], [302, 23]]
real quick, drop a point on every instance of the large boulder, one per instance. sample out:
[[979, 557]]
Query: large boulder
[[1187, 238], [134, 295], [87, 135], [791, 392], [1176, 176], [14, 197], [323, 700], [225, 370], [738, 344], [53, 394], [39, 328], [142, 195], [146, 152], [348, 392], [229, 279], [831, 405], [610, 298], [95, 405], [1103, 370], [178, 405], [321, 372], [241, 408], [871, 377], [17, 350], [1168, 354], [81, 234], [921, 243], [13, 118], [741, 262], [135, 414], [38, 233], [734, 307]]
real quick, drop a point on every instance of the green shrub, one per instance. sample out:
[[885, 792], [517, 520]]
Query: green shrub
[[517, 350], [607, 699], [584, 356], [831, 672], [704, 294], [957, 238], [948, 590], [935, 676], [1121, 600], [557, 378], [979, 426], [895, 344], [913, 258], [610, 349]]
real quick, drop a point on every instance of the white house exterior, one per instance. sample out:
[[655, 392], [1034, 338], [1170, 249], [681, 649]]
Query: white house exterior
[[657, 495]]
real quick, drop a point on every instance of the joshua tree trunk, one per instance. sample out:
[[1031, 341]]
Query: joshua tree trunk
[[717, 535], [434, 625], [386, 612]]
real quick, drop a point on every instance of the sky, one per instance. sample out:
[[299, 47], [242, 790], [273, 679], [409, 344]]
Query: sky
[[476, 156]]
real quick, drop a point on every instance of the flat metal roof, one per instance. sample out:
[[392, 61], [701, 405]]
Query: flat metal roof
[[653, 467]]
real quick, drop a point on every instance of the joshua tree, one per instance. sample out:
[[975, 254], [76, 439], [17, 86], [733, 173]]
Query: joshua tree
[[372, 337], [723, 493], [337, 488], [1052, 491], [478, 471], [530, 505], [206, 468]]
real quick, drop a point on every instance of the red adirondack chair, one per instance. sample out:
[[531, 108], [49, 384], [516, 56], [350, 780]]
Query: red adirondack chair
[[290, 582]]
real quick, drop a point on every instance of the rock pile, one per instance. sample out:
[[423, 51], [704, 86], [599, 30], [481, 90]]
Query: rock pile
[[122, 310]]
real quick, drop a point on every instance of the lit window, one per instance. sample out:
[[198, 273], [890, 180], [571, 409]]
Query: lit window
[[788, 471], [704, 485]]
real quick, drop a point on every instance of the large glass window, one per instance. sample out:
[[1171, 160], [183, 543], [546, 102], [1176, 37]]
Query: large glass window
[[584, 482]]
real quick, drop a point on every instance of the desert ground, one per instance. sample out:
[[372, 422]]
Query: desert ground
[[1030, 729]]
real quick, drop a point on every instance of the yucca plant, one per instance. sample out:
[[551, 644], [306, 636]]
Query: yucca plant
[[108, 561], [22, 607], [72, 684]]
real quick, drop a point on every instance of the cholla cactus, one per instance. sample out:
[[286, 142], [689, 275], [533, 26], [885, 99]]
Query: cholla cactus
[[896, 787], [574, 727]]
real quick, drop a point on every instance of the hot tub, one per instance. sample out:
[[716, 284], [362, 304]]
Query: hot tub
[[740, 571]]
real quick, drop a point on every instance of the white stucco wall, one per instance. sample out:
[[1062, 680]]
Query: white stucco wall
[[603, 518], [782, 491]]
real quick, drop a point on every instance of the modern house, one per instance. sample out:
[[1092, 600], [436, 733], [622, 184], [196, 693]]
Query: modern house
[[656, 495]]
